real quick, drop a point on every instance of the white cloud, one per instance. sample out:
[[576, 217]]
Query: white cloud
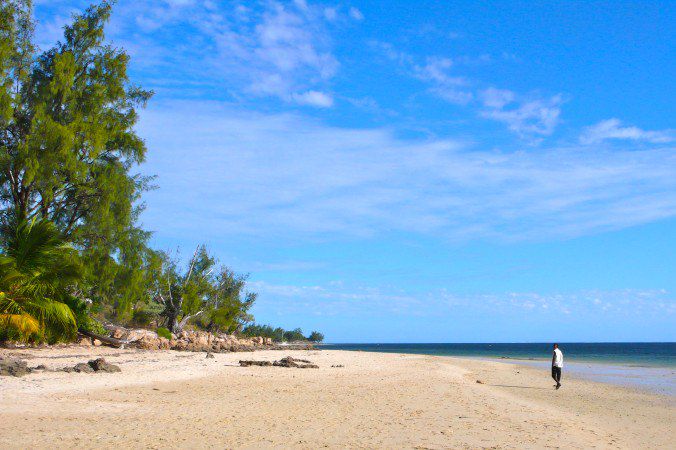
[[450, 88], [278, 175], [525, 117], [531, 117], [613, 129], [314, 98], [339, 298], [356, 14], [269, 49]]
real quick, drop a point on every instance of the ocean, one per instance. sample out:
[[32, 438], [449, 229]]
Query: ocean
[[636, 354], [647, 365]]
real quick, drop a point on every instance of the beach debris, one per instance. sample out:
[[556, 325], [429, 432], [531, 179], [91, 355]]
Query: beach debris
[[100, 365], [13, 367], [479, 382], [248, 363], [210, 355], [284, 362], [292, 362], [338, 366], [83, 368]]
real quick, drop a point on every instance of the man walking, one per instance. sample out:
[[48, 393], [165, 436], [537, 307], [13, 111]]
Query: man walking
[[557, 365]]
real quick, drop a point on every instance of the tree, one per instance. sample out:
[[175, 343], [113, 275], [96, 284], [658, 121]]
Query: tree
[[316, 336], [37, 268], [294, 335], [68, 145], [213, 295]]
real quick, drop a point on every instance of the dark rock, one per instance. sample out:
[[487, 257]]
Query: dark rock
[[13, 367], [83, 368], [254, 363], [100, 365], [479, 382], [298, 363], [210, 355]]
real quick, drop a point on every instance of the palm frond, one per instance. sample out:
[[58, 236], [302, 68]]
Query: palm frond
[[22, 326]]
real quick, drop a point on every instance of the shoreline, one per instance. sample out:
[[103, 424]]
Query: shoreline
[[181, 399]]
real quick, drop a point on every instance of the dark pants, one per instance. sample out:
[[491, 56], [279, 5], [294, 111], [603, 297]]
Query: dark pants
[[556, 374]]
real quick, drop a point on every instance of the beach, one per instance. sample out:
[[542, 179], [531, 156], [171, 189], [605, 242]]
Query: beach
[[169, 399]]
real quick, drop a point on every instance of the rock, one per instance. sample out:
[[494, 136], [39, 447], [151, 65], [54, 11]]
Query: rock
[[299, 363], [254, 363], [118, 333], [148, 343], [83, 368], [96, 343], [479, 382], [85, 341], [210, 355], [40, 367], [13, 367], [163, 344], [100, 365]]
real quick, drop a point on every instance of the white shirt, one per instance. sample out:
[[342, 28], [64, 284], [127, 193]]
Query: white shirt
[[558, 358]]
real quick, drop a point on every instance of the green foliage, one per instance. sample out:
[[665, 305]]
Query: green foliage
[[83, 318], [315, 336], [276, 334], [68, 148], [164, 332], [279, 334], [211, 297], [37, 268], [294, 335]]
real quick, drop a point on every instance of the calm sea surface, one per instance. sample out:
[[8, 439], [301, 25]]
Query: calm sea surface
[[636, 354], [650, 366]]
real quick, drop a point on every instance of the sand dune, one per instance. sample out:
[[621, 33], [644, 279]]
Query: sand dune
[[170, 400]]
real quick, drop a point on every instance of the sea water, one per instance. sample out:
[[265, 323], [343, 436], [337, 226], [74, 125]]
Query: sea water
[[650, 365]]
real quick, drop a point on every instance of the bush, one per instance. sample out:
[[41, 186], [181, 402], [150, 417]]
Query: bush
[[142, 317], [316, 336], [83, 318], [164, 332]]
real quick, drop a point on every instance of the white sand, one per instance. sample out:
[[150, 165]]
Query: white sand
[[171, 399]]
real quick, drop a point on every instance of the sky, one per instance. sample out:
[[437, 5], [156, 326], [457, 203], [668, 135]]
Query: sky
[[398, 171]]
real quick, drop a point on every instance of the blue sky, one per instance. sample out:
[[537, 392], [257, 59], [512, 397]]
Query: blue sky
[[396, 171]]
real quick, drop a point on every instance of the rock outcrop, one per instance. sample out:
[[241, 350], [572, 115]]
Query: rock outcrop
[[13, 367]]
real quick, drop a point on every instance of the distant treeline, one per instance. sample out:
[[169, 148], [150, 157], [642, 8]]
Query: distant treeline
[[280, 334]]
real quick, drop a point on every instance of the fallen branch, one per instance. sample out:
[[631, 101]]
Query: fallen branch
[[118, 343]]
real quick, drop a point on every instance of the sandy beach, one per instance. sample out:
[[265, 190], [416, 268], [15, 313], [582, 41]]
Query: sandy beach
[[177, 399]]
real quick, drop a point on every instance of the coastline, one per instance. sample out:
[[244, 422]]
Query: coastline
[[178, 399]]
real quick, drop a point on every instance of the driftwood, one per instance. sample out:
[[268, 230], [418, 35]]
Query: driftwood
[[119, 343]]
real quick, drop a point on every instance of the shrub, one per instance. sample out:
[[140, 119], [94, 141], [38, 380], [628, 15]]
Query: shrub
[[164, 332]]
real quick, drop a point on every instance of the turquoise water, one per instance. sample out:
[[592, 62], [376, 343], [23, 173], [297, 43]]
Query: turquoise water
[[636, 354], [649, 366]]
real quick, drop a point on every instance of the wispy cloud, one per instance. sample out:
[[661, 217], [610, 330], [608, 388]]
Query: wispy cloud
[[232, 172], [338, 298], [524, 116], [450, 88], [530, 116], [613, 129], [266, 49]]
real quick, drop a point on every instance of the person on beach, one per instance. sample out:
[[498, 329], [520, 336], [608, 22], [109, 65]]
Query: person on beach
[[557, 365]]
